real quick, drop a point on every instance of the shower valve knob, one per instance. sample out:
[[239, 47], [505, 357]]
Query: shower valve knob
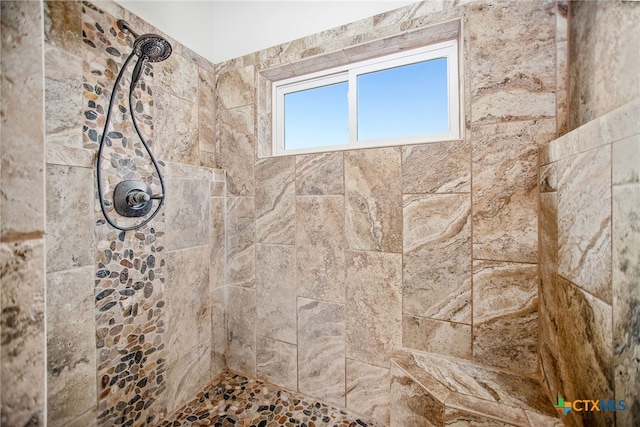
[[133, 198]]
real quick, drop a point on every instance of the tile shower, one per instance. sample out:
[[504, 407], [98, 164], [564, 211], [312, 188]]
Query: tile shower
[[309, 272]]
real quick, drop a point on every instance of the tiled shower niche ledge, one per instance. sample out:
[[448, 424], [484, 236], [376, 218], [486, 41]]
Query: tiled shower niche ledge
[[235, 400], [429, 390]]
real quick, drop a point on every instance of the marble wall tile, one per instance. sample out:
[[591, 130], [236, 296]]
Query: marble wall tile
[[63, 25], [236, 141], [177, 76], [457, 418], [275, 200], [436, 336], [218, 331], [71, 361], [69, 156], [22, 150], [547, 293], [514, 70], [176, 128], [368, 390], [321, 350], [22, 373], [374, 295], [206, 110], [548, 176], [584, 221], [410, 404], [70, 197], [241, 330], [276, 291], [625, 158], [505, 162], [187, 376], [236, 88], [187, 213], [63, 102], [443, 167], [277, 362], [505, 315], [187, 286], [437, 229], [626, 300], [320, 174], [241, 236], [217, 230], [586, 362], [373, 199], [320, 246]]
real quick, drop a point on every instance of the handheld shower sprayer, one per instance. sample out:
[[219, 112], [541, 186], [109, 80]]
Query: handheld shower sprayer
[[134, 198]]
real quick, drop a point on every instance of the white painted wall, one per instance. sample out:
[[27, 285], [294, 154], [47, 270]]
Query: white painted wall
[[224, 29]]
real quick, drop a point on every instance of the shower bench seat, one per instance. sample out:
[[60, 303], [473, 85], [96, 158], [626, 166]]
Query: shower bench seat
[[432, 390]]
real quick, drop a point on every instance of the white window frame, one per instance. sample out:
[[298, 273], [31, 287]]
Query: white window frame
[[349, 73]]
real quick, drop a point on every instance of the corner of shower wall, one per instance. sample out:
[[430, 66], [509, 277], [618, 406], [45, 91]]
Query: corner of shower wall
[[135, 320]]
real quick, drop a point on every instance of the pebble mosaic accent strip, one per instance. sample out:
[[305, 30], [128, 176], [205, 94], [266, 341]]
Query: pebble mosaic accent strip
[[129, 282], [235, 400]]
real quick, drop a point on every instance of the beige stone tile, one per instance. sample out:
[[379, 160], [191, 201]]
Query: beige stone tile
[[175, 128], [218, 332], [277, 362], [437, 228], [187, 213], [241, 236], [71, 361], [374, 294], [369, 390], [514, 70], [23, 314], [21, 100], [70, 217], [63, 25], [69, 156], [87, 419], [373, 199], [241, 330], [621, 123], [536, 419], [276, 291], [436, 336], [411, 405], [505, 162], [548, 270], [625, 161], [320, 174], [236, 142], [626, 300], [217, 230], [549, 372], [462, 409], [586, 360], [206, 110], [275, 200], [236, 88], [548, 176], [562, 87], [177, 76], [187, 376], [458, 418], [187, 286], [63, 105], [320, 246], [443, 167], [321, 350], [584, 221], [505, 315]]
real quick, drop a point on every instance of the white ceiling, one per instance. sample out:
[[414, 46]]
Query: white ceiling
[[224, 29]]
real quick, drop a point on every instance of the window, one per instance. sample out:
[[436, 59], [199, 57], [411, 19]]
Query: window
[[404, 98]]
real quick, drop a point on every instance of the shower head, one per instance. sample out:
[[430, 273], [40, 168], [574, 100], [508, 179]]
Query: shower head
[[153, 47], [149, 47]]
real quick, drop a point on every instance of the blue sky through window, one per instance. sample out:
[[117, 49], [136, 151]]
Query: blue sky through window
[[317, 117]]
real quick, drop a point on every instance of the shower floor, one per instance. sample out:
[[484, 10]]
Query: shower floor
[[235, 400]]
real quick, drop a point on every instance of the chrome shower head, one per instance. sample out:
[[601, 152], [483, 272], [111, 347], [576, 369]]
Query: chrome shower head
[[152, 46]]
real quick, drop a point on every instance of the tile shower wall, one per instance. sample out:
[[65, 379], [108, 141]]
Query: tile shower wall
[[336, 258], [589, 226], [22, 216], [135, 320]]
